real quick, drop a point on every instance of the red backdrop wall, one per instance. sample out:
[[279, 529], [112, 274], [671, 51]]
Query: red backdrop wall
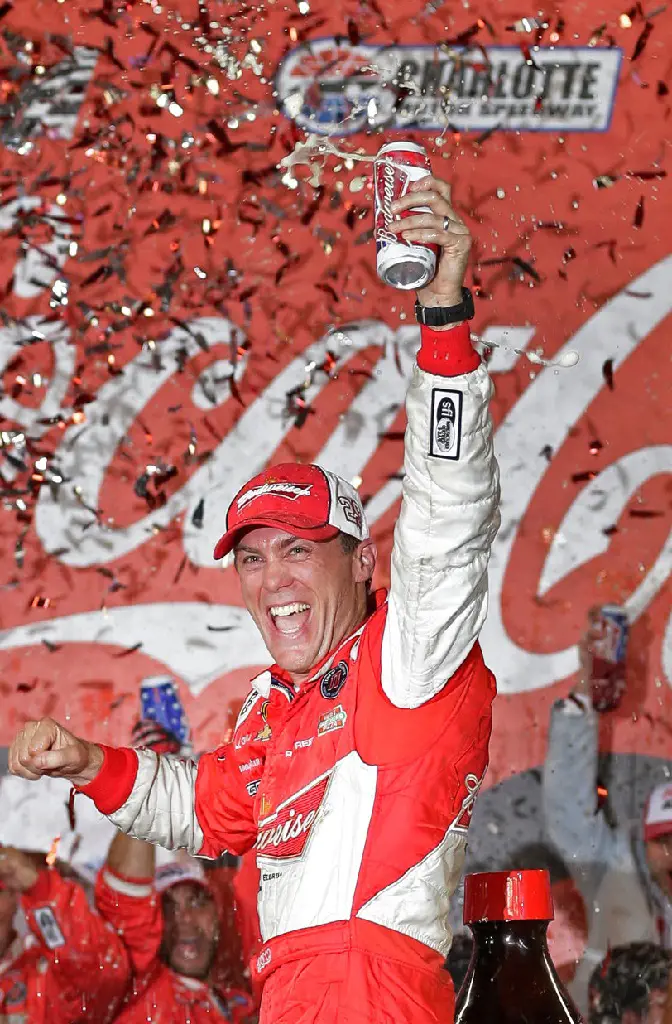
[[179, 311]]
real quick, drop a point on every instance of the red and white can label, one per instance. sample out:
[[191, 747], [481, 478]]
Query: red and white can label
[[400, 263]]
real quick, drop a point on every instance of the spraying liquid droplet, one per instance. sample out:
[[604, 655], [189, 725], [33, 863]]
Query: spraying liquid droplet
[[566, 360]]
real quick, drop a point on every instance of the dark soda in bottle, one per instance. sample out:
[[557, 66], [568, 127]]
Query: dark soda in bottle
[[511, 977]]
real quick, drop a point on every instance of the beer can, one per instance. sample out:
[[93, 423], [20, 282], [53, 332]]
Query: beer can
[[607, 645], [160, 702], [399, 263]]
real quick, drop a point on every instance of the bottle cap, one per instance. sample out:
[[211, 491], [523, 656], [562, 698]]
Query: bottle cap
[[508, 896]]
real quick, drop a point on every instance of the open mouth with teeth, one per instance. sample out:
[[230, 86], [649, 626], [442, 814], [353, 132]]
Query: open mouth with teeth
[[188, 949], [289, 619]]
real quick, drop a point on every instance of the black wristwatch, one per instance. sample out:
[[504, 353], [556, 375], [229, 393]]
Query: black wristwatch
[[440, 316]]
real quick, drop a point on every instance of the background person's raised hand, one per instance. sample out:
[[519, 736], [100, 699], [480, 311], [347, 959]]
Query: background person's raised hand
[[18, 871]]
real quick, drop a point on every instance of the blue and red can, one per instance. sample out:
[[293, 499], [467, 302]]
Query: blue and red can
[[609, 629], [160, 702]]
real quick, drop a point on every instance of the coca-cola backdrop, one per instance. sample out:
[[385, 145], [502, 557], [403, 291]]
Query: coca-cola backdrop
[[180, 309]]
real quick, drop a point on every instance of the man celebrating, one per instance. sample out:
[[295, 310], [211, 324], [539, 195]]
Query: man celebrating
[[357, 757], [169, 923]]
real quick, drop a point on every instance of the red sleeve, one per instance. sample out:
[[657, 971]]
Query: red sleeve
[[132, 908], [447, 353], [225, 791], [112, 785], [88, 964]]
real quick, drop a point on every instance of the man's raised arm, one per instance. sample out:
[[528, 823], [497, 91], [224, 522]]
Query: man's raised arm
[[449, 513]]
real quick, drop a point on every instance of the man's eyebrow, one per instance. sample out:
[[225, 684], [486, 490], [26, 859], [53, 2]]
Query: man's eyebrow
[[287, 543], [244, 547], [284, 544]]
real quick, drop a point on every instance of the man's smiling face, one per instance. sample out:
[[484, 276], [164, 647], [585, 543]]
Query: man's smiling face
[[305, 596]]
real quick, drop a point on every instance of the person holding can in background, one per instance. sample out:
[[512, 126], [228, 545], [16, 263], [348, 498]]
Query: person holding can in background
[[357, 757], [623, 871]]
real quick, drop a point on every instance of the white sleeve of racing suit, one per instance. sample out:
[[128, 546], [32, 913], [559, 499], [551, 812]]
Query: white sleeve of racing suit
[[448, 521], [161, 805], [574, 824]]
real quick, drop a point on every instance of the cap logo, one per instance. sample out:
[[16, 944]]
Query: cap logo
[[351, 510], [279, 489]]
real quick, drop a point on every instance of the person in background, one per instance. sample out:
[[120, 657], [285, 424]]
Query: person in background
[[69, 966], [169, 923], [631, 986], [624, 874]]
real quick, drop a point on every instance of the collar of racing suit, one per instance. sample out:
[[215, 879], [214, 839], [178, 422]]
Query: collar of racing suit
[[263, 682], [201, 993]]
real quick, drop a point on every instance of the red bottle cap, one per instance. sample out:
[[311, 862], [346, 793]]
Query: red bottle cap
[[508, 896]]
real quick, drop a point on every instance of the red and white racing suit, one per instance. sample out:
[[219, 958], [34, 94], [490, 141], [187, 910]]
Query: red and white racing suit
[[70, 968], [157, 993], [357, 787]]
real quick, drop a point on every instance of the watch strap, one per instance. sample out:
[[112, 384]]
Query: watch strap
[[441, 316]]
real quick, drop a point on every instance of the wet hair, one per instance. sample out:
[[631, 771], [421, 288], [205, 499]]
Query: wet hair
[[348, 543], [625, 979]]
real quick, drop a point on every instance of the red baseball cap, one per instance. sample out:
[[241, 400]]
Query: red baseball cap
[[658, 813], [305, 500]]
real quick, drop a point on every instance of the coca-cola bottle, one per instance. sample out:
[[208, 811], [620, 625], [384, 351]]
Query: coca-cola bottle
[[511, 977]]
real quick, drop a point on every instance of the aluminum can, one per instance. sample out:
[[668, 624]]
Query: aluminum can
[[399, 263], [160, 702], [607, 646]]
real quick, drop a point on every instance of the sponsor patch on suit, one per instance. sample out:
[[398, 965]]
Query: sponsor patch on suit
[[334, 680], [445, 424], [49, 927]]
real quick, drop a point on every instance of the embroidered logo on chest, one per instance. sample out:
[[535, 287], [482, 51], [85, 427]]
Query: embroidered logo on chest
[[334, 680], [472, 784], [330, 720], [285, 833], [264, 733]]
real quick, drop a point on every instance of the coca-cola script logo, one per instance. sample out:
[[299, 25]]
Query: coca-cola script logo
[[285, 833], [104, 587]]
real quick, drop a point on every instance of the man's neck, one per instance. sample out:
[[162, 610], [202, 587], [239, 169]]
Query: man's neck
[[358, 618]]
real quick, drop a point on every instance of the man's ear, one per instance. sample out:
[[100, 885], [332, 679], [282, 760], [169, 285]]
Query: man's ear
[[365, 561]]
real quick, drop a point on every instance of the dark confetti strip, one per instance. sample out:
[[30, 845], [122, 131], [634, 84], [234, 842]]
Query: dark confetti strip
[[198, 516], [638, 219], [129, 650], [642, 41], [608, 373]]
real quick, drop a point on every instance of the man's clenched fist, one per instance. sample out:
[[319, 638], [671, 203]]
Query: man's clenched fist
[[46, 748]]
